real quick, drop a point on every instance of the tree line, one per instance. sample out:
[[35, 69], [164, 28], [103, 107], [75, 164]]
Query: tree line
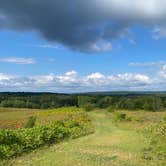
[[152, 102]]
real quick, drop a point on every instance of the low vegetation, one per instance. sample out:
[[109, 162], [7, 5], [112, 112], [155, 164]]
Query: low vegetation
[[119, 143], [156, 134], [72, 123], [12, 118], [129, 130]]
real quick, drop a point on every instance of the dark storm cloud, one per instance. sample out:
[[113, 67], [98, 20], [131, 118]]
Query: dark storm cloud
[[80, 24]]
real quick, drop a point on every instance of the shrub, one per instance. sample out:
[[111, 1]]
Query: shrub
[[157, 146], [31, 122], [15, 142], [88, 107], [121, 117], [110, 109], [164, 118], [137, 119]]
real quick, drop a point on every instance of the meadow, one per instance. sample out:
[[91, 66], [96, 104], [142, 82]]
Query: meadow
[[38, 128], [120, 138], [14, 118]]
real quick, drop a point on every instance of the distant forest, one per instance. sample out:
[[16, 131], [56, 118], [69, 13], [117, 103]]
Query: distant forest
[[152, 101]]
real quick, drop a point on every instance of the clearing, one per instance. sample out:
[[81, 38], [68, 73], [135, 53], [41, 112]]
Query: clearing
[[111, 145]]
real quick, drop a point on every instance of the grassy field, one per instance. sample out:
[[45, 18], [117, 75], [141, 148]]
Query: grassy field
[[113, 144], [13, 118], [42, 128]]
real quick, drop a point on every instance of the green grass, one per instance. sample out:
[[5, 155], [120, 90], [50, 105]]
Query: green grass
[[117, 144]]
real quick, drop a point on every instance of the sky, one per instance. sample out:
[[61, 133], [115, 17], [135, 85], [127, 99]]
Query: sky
[[82, 46]]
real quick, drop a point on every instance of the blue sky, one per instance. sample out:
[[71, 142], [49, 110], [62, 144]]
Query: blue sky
[[132, 58]]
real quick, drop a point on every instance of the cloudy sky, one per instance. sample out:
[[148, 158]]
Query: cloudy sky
[[79, 45]]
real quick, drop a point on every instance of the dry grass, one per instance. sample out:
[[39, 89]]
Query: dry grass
[[17, 118]]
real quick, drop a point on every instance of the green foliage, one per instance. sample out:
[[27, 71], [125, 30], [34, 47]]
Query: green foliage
[[111, 109], [88, 107], [15, 142], [124, 138], [31, 122], [85, 100], [126, 103], [120, 117], [164, 118], [150, 102], [105, 102], [36, 100], [137, 119], [157, 146]]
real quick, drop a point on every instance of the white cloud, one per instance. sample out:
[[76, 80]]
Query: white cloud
[[4, 77], [72, 82], [95, 76], [130, 78], [71, 73], [100, 47], [95, 79], [22, 61], [68, 78], [162, 72], [48, 46], [44, 79]]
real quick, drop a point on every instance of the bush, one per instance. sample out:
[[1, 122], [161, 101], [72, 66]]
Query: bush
[[88, 107], [31, 122], [137, 119], [111, 109], [157, 146], [15, 142], [121, 117]]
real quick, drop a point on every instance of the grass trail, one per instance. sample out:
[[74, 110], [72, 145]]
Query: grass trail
[[108, 146]]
